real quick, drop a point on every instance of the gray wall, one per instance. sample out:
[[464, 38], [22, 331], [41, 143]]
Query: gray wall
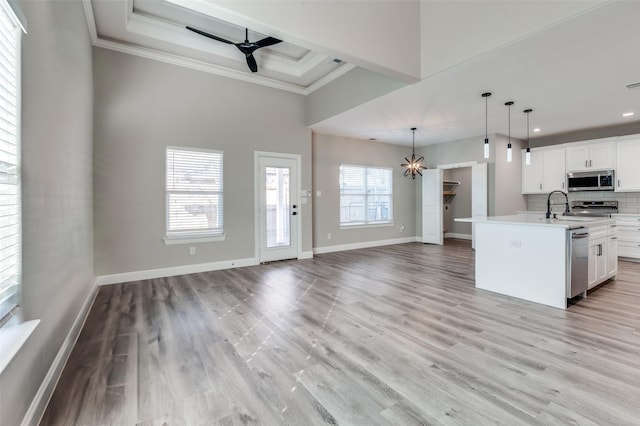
[[586, 134], [507, 187], [57, 191], [504, 180], [356, 87], [331, 151], [460, 204], [141, 106]]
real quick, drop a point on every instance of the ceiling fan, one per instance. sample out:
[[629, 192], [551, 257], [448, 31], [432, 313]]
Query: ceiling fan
[[247, 47]]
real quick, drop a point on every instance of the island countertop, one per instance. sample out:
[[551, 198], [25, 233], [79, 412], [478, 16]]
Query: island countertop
[[538, 219]]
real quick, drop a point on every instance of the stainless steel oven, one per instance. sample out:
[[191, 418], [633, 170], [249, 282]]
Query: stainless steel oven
[[599, 208], [596, 180]]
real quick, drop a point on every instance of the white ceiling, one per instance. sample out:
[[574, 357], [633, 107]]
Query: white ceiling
[[572, 75]]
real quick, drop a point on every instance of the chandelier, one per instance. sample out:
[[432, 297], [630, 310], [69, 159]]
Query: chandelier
[[413, 166]]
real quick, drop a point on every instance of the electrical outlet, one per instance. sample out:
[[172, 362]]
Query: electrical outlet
[[328, 236], [192, 251], [402, 228]]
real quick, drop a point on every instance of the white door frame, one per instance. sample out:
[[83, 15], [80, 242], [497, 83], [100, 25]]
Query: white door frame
[[479, 191], [295, 197]]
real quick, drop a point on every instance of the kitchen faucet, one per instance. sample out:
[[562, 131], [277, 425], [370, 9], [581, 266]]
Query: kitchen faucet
[[566, 204]]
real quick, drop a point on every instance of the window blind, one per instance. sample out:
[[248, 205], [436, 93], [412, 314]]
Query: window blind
[[10, 201], [366, 195], [194, 192]]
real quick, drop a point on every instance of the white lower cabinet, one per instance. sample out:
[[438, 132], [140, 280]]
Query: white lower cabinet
[[603, 254], [628, 235]]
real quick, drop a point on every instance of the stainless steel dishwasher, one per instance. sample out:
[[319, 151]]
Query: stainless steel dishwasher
[[579, 247]]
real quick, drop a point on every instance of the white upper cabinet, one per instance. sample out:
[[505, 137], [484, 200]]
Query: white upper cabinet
[[627, 170], [532, 174], [546, 172], [591, 156]]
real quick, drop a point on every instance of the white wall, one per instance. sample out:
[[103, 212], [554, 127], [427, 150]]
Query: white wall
[[331, 151], [493, 24], [144, 105], [57, 191]]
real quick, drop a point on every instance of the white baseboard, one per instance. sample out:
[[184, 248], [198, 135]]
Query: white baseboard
[[174, 270], [41, 399], [459, 236], [366, 244], [306, 255]]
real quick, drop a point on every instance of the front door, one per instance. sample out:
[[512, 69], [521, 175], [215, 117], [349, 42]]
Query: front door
[[278, 208]]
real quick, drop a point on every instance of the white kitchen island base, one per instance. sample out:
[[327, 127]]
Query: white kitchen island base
[[527, 256], [527, 262]]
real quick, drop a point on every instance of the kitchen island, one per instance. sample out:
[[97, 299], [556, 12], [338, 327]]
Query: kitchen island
[[527, 256]]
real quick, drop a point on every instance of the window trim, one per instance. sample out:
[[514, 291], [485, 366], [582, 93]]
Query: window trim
[[366, 223], [192, 236], [13, 315]]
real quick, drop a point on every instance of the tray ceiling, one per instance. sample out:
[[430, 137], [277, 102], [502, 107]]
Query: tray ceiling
[[156, 29]]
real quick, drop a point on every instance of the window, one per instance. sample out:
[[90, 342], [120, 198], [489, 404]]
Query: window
[[366, 195], [194, 193], [10, 201]]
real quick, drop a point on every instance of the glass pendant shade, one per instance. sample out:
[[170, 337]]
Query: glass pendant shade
[[509, 153], [527, 155], [486, 135]]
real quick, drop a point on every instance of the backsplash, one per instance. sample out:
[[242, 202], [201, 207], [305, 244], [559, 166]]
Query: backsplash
[[628, 202]]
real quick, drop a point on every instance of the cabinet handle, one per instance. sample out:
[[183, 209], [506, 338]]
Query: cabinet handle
[[540, 186], [614, 238], [618, 183], [562, 185], [589, 163], [586, 163]]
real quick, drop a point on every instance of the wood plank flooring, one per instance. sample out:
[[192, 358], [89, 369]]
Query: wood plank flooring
[[395, 335]]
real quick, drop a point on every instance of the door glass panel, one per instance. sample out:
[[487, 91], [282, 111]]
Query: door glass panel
[[278, 208]]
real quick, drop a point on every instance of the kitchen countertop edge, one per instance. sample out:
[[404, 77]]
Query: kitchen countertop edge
[[534, 220]]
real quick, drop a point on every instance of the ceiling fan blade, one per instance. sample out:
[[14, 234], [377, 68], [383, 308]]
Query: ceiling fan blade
[[251, 61], [268, 41], [209, 35]]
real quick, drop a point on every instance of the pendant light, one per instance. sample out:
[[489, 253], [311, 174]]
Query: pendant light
[[413, 166], [509, 154], [486, 135], [527, 155]]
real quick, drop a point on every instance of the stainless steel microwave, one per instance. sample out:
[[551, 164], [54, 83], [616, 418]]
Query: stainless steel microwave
[[596, 180]]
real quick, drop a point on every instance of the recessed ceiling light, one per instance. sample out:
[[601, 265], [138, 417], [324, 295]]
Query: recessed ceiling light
[[627, 114], [536, 130]]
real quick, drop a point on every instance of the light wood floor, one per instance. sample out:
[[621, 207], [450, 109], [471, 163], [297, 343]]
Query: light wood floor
[[392, 335]]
